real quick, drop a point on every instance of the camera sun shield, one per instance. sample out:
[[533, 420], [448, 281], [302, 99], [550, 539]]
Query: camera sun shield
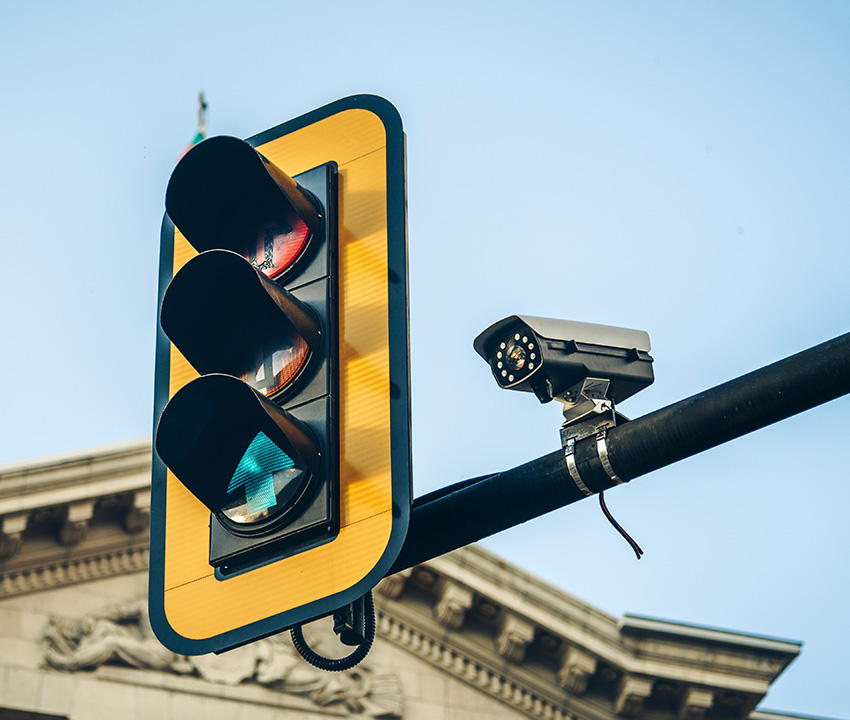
[[548, 356]]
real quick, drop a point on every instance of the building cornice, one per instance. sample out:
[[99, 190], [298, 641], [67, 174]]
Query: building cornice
[[74, 517], [642, 625]]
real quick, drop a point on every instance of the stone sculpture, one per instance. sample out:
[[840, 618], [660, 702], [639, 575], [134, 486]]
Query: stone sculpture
[[122, 635]]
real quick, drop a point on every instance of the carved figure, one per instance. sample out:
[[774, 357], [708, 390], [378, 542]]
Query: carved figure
[[122, 634]]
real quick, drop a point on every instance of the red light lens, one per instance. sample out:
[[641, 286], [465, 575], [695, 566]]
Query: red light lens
[[279, 245]]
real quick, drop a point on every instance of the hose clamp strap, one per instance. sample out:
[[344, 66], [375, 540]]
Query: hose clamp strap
[[570, 457], [602, 451]]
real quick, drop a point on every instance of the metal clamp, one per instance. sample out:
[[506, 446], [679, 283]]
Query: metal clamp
[[602, 451], [570, 457]]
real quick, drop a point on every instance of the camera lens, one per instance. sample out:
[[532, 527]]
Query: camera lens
[[516, 357]]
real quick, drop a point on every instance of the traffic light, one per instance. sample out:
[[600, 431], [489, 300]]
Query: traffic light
[[281, 473]]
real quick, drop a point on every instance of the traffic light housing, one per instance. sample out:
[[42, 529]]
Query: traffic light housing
[[281, 480]]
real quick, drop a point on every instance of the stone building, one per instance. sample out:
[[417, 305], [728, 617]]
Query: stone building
[[463, 636]]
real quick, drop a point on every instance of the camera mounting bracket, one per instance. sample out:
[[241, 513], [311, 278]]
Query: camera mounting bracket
[[588, 410]]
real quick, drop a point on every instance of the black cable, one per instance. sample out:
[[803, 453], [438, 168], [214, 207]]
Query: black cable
[[347, 662], [618, 528], [443, 491]]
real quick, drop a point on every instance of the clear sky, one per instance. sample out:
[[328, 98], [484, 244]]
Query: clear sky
[[681, 168]]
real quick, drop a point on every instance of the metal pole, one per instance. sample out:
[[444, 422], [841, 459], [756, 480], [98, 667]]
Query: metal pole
[[474, 509]]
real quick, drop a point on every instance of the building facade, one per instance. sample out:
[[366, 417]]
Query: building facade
[[465, 635]]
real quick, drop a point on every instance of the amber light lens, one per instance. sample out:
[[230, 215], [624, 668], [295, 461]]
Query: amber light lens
[[278, 367], [279, 245]]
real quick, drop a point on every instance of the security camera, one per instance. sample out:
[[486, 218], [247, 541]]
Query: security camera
[[587, 367], [558, 359]]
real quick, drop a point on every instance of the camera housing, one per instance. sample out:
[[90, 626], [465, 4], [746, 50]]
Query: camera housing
[[551, 357]]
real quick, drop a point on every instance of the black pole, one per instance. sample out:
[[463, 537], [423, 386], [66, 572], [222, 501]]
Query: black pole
[[474, 509]]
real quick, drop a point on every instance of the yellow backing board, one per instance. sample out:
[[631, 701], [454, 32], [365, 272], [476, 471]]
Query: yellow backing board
[[199, 612]]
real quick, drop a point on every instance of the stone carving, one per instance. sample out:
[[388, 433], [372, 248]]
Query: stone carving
[[576, 670], [137, 517], [122, 635], [393, 585], [454, 603], [75, 525], [631, 695], [514, 639], [11, 534], [695, 704]]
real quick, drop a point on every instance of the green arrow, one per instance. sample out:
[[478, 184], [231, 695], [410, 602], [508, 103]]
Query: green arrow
[[256, 472]]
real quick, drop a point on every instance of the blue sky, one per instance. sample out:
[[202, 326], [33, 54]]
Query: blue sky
[[677, 168]]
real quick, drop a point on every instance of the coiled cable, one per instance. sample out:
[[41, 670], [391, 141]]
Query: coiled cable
[[344, 663]]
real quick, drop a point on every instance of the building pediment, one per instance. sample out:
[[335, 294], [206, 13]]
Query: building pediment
[[510, 632]]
